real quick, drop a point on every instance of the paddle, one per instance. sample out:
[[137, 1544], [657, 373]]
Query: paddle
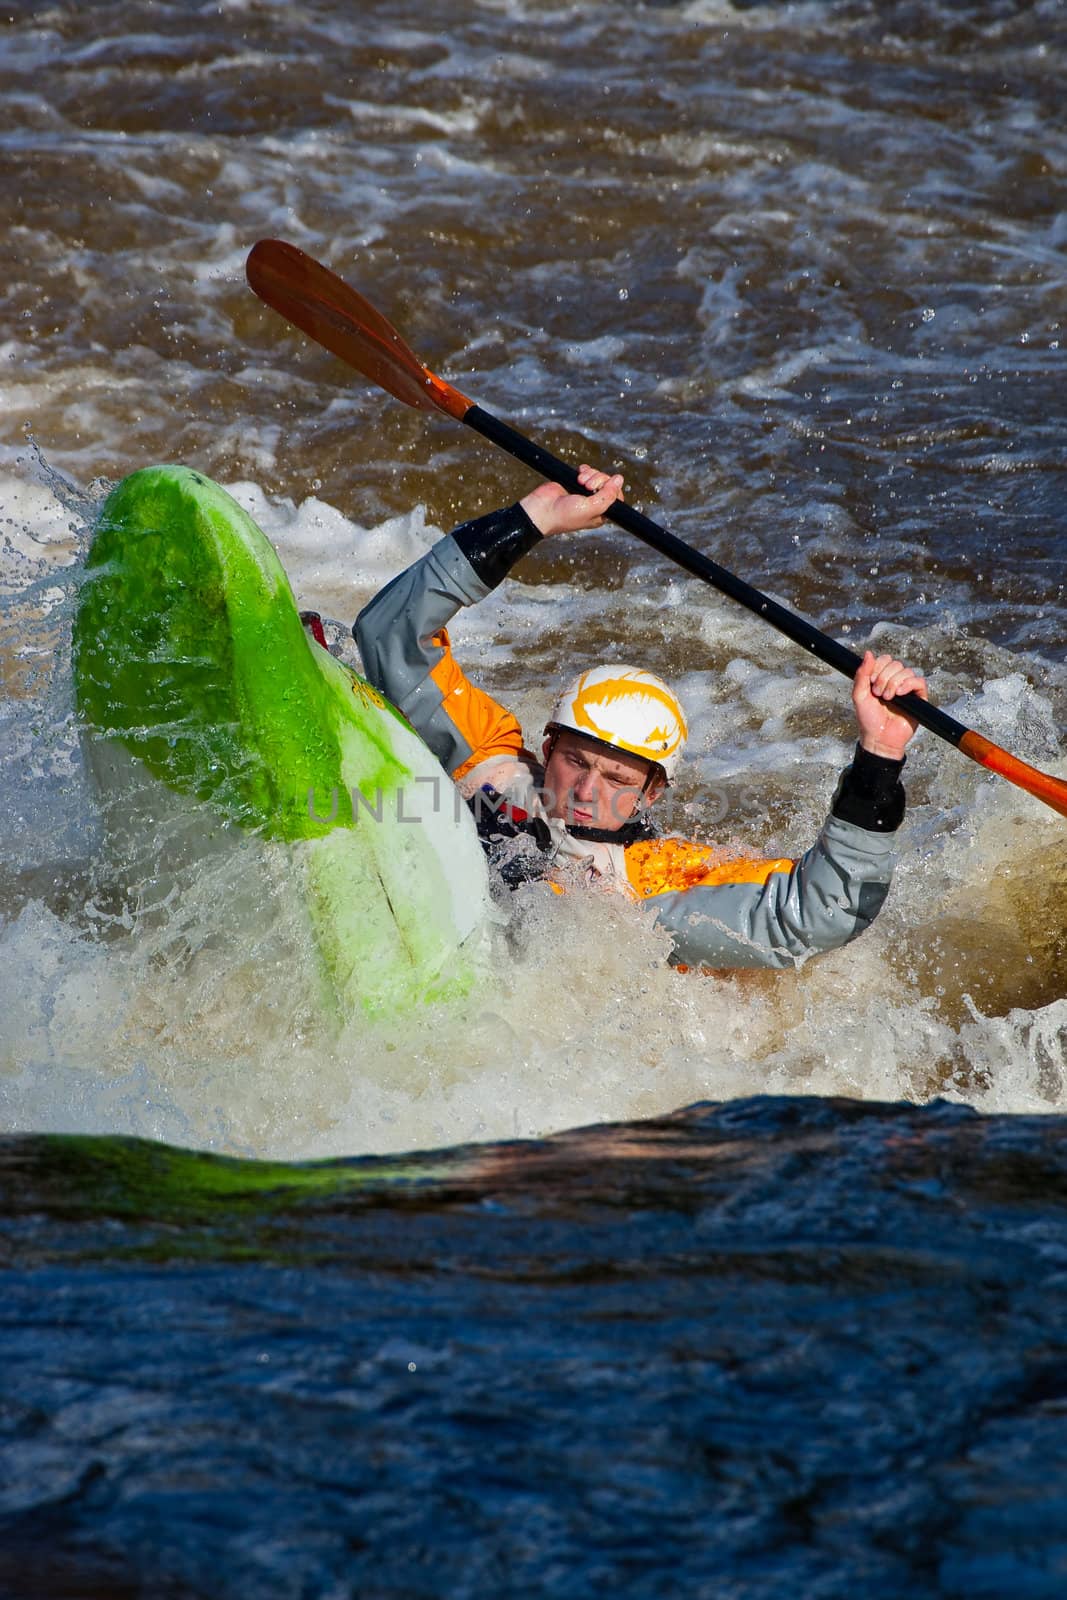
[[321, 305]]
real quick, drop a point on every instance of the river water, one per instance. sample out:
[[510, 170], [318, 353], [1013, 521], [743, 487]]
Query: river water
[[799, 271]]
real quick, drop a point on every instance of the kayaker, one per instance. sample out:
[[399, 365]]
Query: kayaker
[[611, 746]]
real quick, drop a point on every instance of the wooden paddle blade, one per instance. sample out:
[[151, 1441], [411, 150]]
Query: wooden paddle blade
[[1042, 785], [336, 316]]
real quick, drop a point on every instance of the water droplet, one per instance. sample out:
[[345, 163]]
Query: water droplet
[[624, 294], [928, 313]]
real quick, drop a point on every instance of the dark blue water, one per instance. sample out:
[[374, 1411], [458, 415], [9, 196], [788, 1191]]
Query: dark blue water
[[771, 1348]]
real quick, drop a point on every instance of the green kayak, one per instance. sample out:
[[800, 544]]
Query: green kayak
[[190, 655]]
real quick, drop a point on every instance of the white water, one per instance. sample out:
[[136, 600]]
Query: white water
[[797, 269], [196, 1023]]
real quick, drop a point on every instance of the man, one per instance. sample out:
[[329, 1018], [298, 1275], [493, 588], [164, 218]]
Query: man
[[611, 746]]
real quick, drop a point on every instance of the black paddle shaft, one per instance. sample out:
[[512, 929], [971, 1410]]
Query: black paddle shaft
[[683, 555]]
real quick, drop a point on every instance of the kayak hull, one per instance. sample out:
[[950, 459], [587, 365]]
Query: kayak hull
[[189, 653]]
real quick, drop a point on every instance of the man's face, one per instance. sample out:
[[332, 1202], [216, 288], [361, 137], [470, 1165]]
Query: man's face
[[591, 786]]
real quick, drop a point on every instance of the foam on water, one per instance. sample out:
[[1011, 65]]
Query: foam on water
[[193, 1017]]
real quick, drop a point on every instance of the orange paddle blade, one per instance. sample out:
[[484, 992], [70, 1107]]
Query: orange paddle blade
[[321, 305], [1042, 785]]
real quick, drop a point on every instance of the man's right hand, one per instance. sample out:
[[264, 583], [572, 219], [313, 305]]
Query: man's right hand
[[552, 510]]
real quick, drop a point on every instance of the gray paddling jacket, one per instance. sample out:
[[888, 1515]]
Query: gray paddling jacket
[[720, 913]]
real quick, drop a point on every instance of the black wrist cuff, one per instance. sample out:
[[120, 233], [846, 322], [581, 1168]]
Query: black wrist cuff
[[494, 543], [870, 793]]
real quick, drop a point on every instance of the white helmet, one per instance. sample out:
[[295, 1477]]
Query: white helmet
[[627, 709]]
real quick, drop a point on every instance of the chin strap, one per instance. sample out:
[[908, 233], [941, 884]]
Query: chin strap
[[641, 827]]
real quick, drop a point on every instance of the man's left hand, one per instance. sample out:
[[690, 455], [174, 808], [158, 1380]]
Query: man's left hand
[[884, 730]]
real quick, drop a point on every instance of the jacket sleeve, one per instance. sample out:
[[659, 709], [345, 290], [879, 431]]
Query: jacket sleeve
[[806, 907], [403, 640], [831, 895]]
